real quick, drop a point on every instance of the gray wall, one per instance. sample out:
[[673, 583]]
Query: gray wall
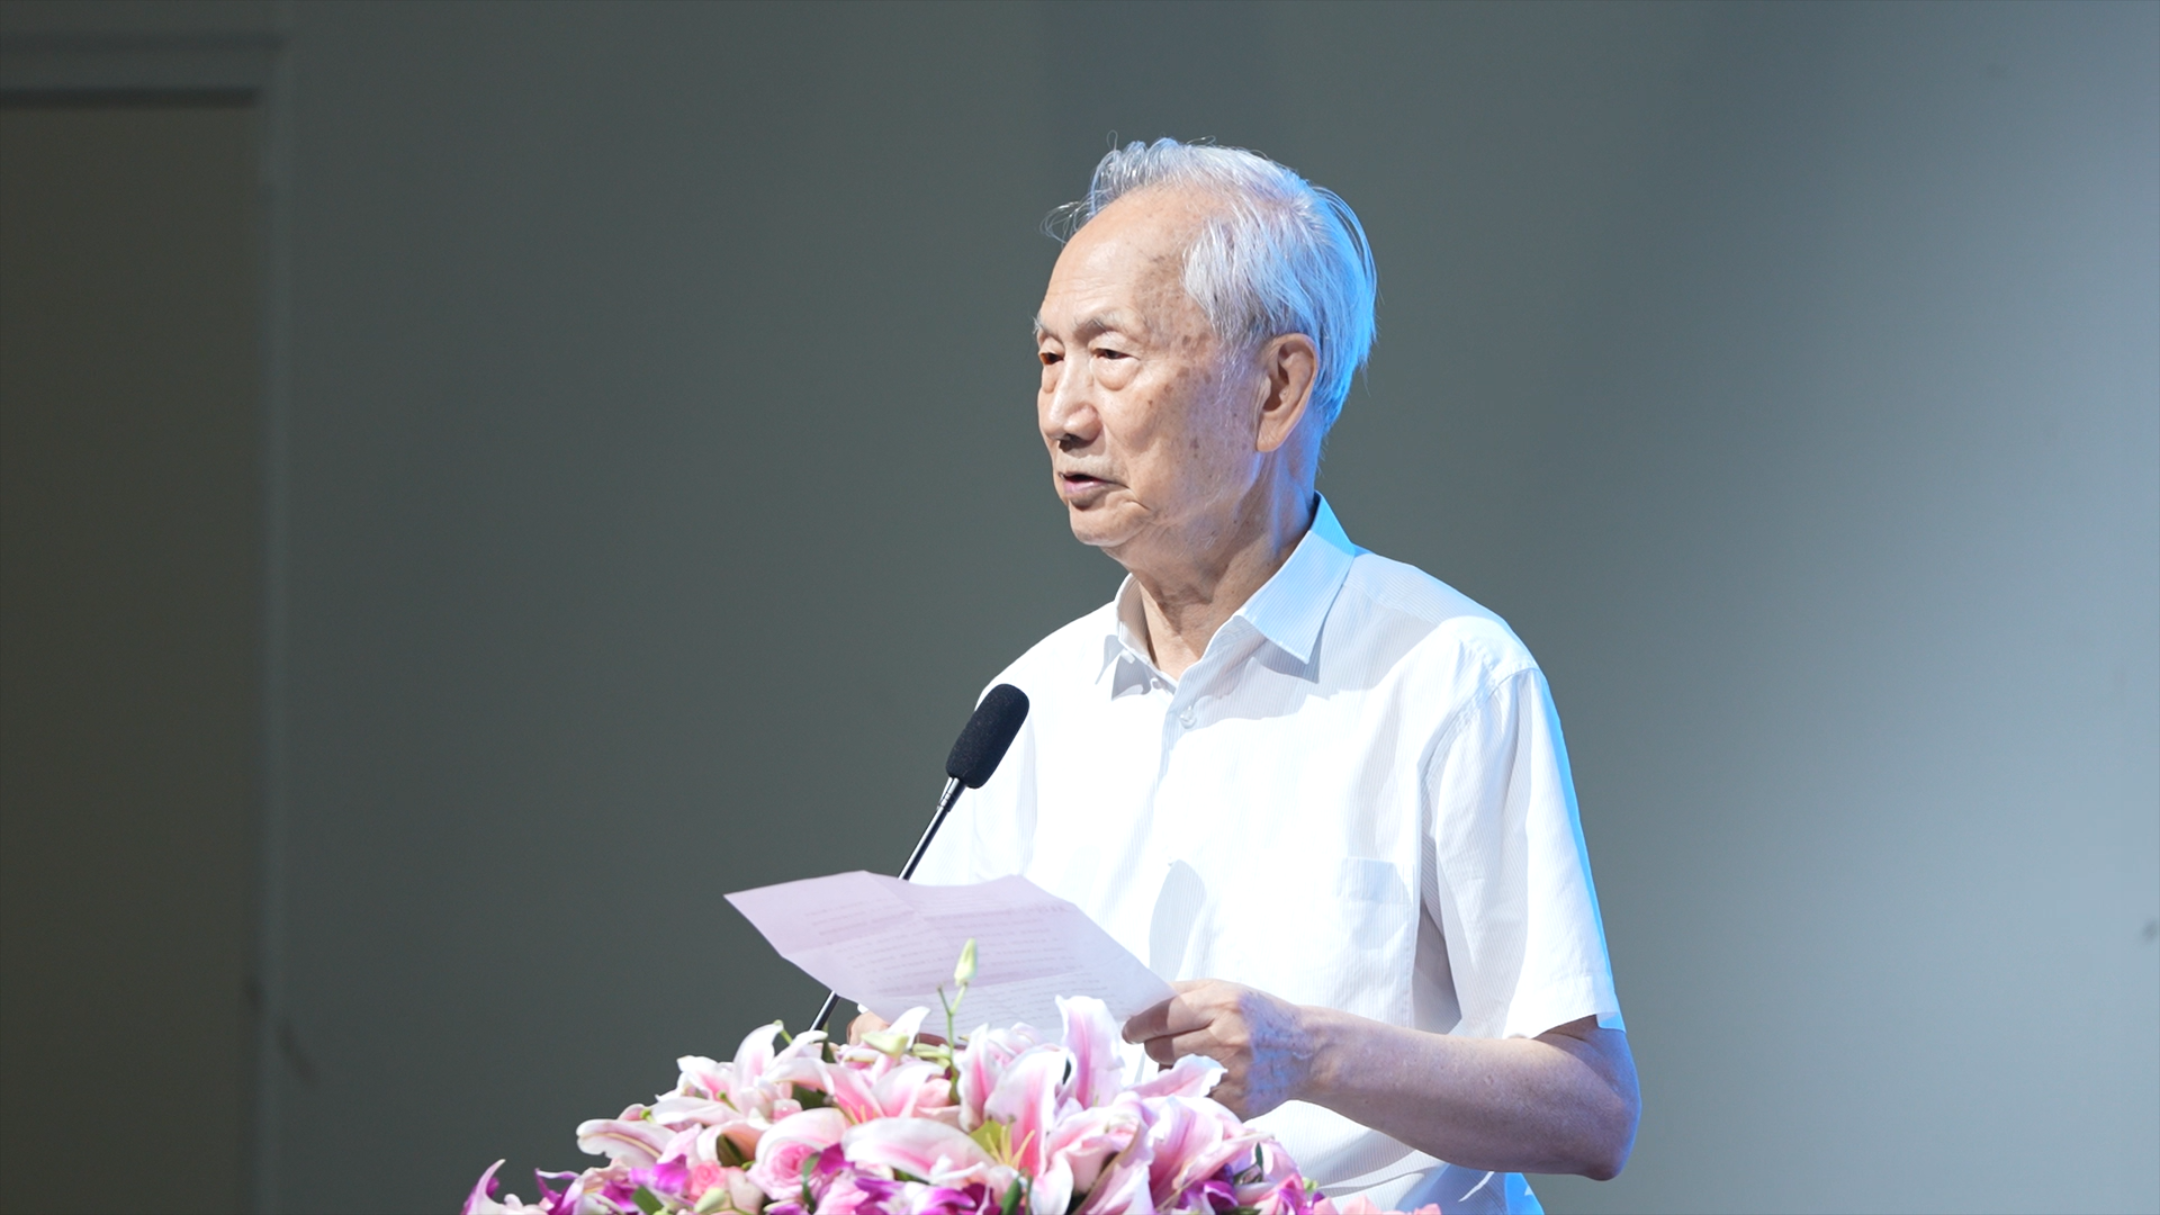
[[131, 549], [659, 485]]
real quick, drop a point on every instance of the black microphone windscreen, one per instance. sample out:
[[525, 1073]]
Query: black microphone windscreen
[[987, 734]]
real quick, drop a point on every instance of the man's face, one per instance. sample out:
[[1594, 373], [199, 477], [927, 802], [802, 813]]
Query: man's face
[[1150, 428]]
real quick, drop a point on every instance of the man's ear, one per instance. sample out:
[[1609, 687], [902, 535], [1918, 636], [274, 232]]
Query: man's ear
[[1290, 364]]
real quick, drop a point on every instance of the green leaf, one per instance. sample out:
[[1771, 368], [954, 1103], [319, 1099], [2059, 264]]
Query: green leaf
[[647, 1201], [1012, 1192]]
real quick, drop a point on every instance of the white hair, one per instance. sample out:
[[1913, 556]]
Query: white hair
[[1283, 256]]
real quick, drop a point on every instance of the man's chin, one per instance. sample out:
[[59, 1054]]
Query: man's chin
[[1091, 528], [1093, 540]]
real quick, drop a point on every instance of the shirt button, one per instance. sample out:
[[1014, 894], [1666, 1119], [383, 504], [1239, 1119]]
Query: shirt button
[[1188, 717]]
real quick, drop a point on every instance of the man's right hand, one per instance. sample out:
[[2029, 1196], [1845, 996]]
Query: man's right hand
[[865, 1022]]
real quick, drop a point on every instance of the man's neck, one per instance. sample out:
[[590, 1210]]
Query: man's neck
[[1186, 599]]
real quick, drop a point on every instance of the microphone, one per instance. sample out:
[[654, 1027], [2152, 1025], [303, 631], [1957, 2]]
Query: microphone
[[982, 744]]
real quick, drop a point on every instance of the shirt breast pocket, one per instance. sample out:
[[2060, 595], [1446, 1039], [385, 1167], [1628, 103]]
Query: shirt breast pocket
[[1337, 932], [1372, 902]]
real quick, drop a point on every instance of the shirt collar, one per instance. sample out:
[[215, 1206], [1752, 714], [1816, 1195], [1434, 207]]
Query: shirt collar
[[1288, 609]]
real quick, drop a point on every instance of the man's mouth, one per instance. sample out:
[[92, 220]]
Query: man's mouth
[[1076, 484]]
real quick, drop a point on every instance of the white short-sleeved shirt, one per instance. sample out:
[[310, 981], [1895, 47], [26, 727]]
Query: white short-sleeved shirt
[[1357, 798]]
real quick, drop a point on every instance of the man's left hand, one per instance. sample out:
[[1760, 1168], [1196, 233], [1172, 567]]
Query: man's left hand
[[1264, 1043]]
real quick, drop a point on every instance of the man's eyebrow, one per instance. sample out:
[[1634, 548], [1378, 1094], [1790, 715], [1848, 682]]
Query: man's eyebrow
[[1100, 322]]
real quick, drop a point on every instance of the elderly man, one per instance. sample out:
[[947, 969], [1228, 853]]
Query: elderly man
[[1320, 789]]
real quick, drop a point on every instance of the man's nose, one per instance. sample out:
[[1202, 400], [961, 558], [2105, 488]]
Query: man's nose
[[1067, 409]]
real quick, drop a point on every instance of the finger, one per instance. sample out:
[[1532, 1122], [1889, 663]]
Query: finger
[[1150, 1022], [1167, 1049], [1177, 1015], [1228, 1095], [1202, 1042]]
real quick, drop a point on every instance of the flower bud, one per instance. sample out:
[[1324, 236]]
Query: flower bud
[[964, 973]]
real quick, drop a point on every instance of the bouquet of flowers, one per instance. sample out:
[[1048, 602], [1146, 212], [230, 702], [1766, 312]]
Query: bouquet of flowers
[[999, 1122]]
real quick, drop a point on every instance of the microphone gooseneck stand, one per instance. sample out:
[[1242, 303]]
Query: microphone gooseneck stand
[[953, 788], [978, 751]]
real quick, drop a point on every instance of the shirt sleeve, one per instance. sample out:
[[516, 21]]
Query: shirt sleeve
[[1507, 874]]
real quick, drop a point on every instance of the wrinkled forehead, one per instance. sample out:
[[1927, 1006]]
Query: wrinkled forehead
[[1128, 264]]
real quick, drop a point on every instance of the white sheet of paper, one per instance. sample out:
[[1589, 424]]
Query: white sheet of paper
[[891, 944]]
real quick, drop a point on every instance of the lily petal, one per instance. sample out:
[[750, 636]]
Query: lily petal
[[1026, 1100], [1091, 1036], [792, 1140], [1190, 1076], [629, 1139], [939, 1154], [483, 1191]]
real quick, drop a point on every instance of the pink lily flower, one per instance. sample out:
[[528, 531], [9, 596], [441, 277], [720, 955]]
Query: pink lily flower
[[702, 1077], [1278, 1189], [1190, 1076], [708, 1146], [877, 1078], [791, 1141], [1284, 1196], [918, 1089], [987, 1054], [1123, 1187], [751, 1059], [841, 1196], [799, 1064], [1026, 1101], [758, 1087], [939, 1154], [746, 1135], [482, 1200], [588, 1193], [918, 1198], [761, 1077], [743, 1195], [670, 1175], [896, 1134], [1080, 1145], [630, 1139], [677, 1109], [1050, 1137], [1191, 1139], [906, 1088], [1091, 1035]]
